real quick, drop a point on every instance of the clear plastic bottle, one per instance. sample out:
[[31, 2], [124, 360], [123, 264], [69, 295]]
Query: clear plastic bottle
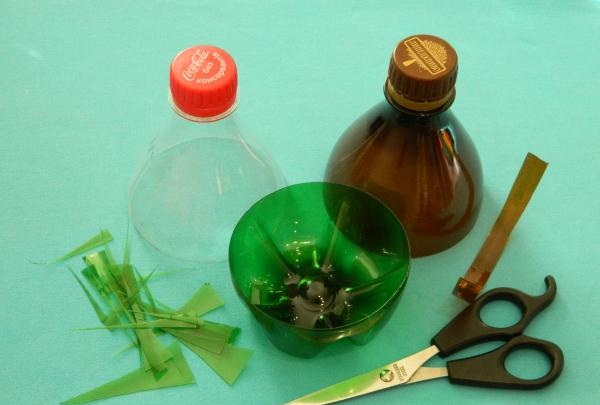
[[412, 153], [201, 174]]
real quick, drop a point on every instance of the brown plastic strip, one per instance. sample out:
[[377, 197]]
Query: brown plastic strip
[[469, 286]]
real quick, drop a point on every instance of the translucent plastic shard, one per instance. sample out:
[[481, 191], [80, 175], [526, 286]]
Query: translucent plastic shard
[[228, 364], [177, 373], [101, 239], [204, 300]]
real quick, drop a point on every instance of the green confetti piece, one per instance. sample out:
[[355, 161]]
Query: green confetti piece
[[100, 262], [110, 259], [158, 324], [101, 239], [220, 331], [99, 312], [197, 338], [143, 286], [178, 373], [204, 300], [228, 364], [186, 318], [127, 249], [154, 352]]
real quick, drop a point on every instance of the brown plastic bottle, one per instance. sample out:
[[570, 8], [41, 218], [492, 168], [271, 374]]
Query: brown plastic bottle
[[412, 153]]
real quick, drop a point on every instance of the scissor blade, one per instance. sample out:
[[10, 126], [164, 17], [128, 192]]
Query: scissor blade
[[390, 375], [428, 373]]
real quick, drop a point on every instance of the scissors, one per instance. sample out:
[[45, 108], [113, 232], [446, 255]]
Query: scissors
[[466, 329]]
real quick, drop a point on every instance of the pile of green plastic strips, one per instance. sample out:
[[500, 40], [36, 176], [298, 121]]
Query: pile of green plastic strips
[[122, 301]]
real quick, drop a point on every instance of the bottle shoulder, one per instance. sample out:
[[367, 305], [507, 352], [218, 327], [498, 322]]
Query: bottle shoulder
[[384, 121]]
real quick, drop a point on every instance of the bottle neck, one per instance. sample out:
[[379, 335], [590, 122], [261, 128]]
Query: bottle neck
[[181, 129], [422, 109], [194, 118]]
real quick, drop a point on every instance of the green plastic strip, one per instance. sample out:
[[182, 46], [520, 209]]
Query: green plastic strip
[[178, 373], [102, 238], [204, 300], [228, 364]]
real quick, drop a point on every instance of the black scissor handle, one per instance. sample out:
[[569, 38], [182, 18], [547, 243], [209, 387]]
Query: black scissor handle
[[489, 370], [467, 328]]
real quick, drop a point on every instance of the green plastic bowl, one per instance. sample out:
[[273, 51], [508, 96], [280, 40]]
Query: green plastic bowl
[[319, 262]]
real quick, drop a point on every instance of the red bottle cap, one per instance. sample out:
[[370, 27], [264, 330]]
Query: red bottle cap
[[203, 81]]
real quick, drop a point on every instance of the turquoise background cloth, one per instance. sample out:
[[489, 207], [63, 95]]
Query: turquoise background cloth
[[83, 90]]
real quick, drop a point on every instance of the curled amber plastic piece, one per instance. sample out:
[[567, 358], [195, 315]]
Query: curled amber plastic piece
[[469, 286]]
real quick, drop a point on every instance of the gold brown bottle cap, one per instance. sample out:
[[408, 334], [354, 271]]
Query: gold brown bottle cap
[[422, 73]]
